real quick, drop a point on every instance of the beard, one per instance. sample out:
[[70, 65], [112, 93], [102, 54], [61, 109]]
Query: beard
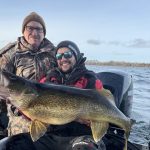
[[70, 68]]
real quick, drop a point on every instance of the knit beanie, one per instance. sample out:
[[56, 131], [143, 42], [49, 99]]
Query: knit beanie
[[72, 46], [33, 17]]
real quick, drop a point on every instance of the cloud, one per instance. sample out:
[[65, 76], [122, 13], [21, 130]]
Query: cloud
[[136, 43], [94, 42], [139, 43]]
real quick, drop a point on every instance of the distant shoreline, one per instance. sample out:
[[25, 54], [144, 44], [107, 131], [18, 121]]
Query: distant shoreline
[[115, 63]]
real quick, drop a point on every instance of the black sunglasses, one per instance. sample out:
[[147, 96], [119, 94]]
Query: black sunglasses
[[66, 55], [38, 29]]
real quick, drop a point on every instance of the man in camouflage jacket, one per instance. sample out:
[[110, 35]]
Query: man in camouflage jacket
[[31, 56]]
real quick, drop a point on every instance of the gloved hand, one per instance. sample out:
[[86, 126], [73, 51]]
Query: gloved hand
[[86, 122]]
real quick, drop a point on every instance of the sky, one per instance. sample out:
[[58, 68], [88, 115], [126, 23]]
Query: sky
[[104, 30]]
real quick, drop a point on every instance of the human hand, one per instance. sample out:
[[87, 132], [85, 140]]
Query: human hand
[[83, 121]]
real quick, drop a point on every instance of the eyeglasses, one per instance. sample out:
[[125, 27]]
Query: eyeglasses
[[66, 55], [38, 29]]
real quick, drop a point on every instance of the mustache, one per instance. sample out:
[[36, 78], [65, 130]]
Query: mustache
[[65, 61], [35, 36]]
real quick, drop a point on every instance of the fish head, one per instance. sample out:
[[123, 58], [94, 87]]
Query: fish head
[[14, 83], [17, 87]]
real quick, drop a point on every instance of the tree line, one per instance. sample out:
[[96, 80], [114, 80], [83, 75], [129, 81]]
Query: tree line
[[116, 63]]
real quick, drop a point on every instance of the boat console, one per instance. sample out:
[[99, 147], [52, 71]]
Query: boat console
[[121, 86]]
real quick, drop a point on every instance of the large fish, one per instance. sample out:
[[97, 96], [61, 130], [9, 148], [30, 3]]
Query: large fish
[[58, 104]]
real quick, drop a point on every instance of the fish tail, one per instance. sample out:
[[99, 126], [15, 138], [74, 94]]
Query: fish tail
[[128, 132]]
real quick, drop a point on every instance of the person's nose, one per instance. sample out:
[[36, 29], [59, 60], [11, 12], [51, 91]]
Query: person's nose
[[63, 58], [34, 32]]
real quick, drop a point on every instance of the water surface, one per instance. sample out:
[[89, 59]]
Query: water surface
[[141, 100]]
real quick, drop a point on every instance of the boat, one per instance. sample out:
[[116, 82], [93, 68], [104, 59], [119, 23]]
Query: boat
[[121, 86]]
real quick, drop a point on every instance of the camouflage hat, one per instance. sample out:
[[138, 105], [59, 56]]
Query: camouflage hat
[[33, 17], [72, 46]]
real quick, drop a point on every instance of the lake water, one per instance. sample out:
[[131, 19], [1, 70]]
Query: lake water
[[140, 132]]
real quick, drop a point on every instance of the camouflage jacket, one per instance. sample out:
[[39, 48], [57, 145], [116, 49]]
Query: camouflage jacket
[[21, 59]]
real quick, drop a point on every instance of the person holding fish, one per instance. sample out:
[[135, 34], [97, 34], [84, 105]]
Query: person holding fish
[[72, 71], [31, 56]]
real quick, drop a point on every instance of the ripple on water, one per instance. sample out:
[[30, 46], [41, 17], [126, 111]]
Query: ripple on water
[[140, 133]]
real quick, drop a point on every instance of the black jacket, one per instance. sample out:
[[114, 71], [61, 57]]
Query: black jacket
[[79, 71]]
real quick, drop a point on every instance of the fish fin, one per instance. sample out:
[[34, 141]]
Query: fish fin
[[98, 129], [125, 146], [126, 135], [37, 129]]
